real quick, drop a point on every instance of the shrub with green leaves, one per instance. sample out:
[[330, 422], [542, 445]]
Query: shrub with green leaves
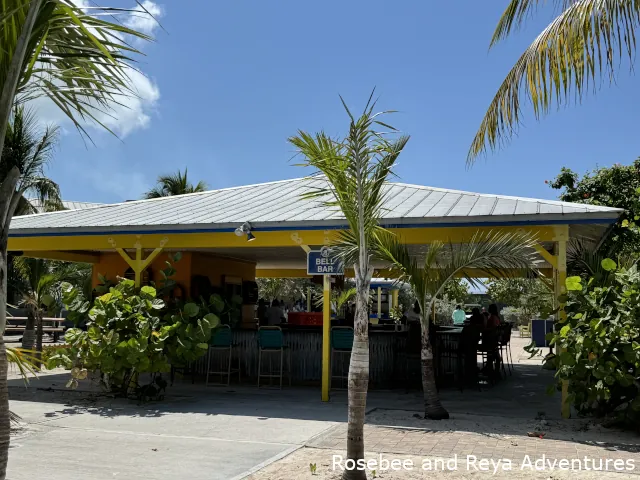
[[599, 343], [131, 332]]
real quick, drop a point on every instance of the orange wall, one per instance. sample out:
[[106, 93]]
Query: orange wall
[[112, 265], [216, 267]]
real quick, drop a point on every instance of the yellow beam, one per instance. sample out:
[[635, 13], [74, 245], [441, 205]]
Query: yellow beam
[[138, 265], [379, 273], [410, 236], [552, 259], [394, 295], [326, 337], [79, 257]]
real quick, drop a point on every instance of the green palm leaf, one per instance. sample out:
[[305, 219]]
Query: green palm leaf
[[175, 184], [583, 44], [495, 254]]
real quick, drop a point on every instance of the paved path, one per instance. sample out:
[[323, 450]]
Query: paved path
[[220, 436]]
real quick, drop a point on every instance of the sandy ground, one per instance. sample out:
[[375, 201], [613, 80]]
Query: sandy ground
[[586, 431], [297, 466]]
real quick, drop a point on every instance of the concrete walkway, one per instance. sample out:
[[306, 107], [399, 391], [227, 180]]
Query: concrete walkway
[[215, 435], [227, 433]]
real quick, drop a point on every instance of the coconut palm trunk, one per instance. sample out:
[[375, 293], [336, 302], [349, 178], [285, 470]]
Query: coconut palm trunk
[[433, 409], [39, 331], [358, 377], [5, 422], [29, 335]]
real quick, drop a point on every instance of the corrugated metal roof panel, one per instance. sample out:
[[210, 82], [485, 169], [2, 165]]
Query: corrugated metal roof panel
[[282, 202]]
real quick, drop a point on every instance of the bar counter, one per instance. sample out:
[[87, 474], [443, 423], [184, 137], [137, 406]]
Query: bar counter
[[389, 366]]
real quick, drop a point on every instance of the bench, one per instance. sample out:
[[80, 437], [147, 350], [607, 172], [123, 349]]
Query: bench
[[55, 331]]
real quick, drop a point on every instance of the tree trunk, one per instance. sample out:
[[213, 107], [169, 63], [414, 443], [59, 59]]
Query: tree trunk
[[5, 426], [39, 334], [433, 409], [29, 336], [358, 379]]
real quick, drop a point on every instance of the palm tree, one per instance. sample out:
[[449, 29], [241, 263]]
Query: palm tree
[[79, 60], [583, 44], [175, 184], [30, 149], [356, 169], [495, 254], [39, 286]]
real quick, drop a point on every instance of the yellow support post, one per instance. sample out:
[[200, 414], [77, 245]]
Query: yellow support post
[[326, 337], [138, 265], [394, 296], [379, 303], [561, 289]]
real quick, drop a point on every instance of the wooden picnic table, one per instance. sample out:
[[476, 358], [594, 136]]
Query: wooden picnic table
[[18, 324]]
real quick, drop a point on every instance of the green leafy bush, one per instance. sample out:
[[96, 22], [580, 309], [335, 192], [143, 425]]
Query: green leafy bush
[[599, 343], [131, 332]]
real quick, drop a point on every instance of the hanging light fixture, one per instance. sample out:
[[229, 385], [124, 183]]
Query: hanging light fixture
[[245, 229]]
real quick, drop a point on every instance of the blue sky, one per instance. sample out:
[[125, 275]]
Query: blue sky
[[230, 81]]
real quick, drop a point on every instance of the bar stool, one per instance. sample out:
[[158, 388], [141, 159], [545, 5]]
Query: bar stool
[[341, 345], [222, 342], [271, 341]]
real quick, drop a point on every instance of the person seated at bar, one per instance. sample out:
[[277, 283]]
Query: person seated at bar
[[477, 319], [493, 320], [458, 316], [275, 315], [413, 314], [261, 314]]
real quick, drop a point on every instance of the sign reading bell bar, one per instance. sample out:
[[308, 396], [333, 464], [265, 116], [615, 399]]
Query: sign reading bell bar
[[321, 262]]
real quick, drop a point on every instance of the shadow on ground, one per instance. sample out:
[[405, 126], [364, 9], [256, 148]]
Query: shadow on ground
[[514, 407]]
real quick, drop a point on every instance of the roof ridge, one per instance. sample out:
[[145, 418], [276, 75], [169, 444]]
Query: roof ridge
[[133, 202], [506, 197]]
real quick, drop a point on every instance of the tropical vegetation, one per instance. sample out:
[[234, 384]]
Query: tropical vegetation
[[133, 334], [356, 168], [600, 343], [615, 186], [38, 283], [495, 254], [30, 148], [175, 184], [527, 297], [36, 38], [587, 42]]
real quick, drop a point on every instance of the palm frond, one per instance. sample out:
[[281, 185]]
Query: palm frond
[[584, 43], [356, 169], [25, 361], [496, 254], [175, 184]]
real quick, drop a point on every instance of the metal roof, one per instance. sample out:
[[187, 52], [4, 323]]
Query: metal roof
[[67, 204], [279, 205]]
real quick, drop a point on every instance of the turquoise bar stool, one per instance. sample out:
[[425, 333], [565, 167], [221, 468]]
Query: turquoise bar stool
[[271, 343], [222, 343], [341, 346]]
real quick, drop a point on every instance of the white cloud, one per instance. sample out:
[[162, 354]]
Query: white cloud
[[133, 111], [146, 23]]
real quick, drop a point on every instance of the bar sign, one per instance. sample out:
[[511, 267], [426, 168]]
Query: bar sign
[[321, 262]]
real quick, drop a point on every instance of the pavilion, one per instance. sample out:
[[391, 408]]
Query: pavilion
[[236, 234]]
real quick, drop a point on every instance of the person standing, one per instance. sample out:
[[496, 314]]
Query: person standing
[[275, 314], [459, 316]]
